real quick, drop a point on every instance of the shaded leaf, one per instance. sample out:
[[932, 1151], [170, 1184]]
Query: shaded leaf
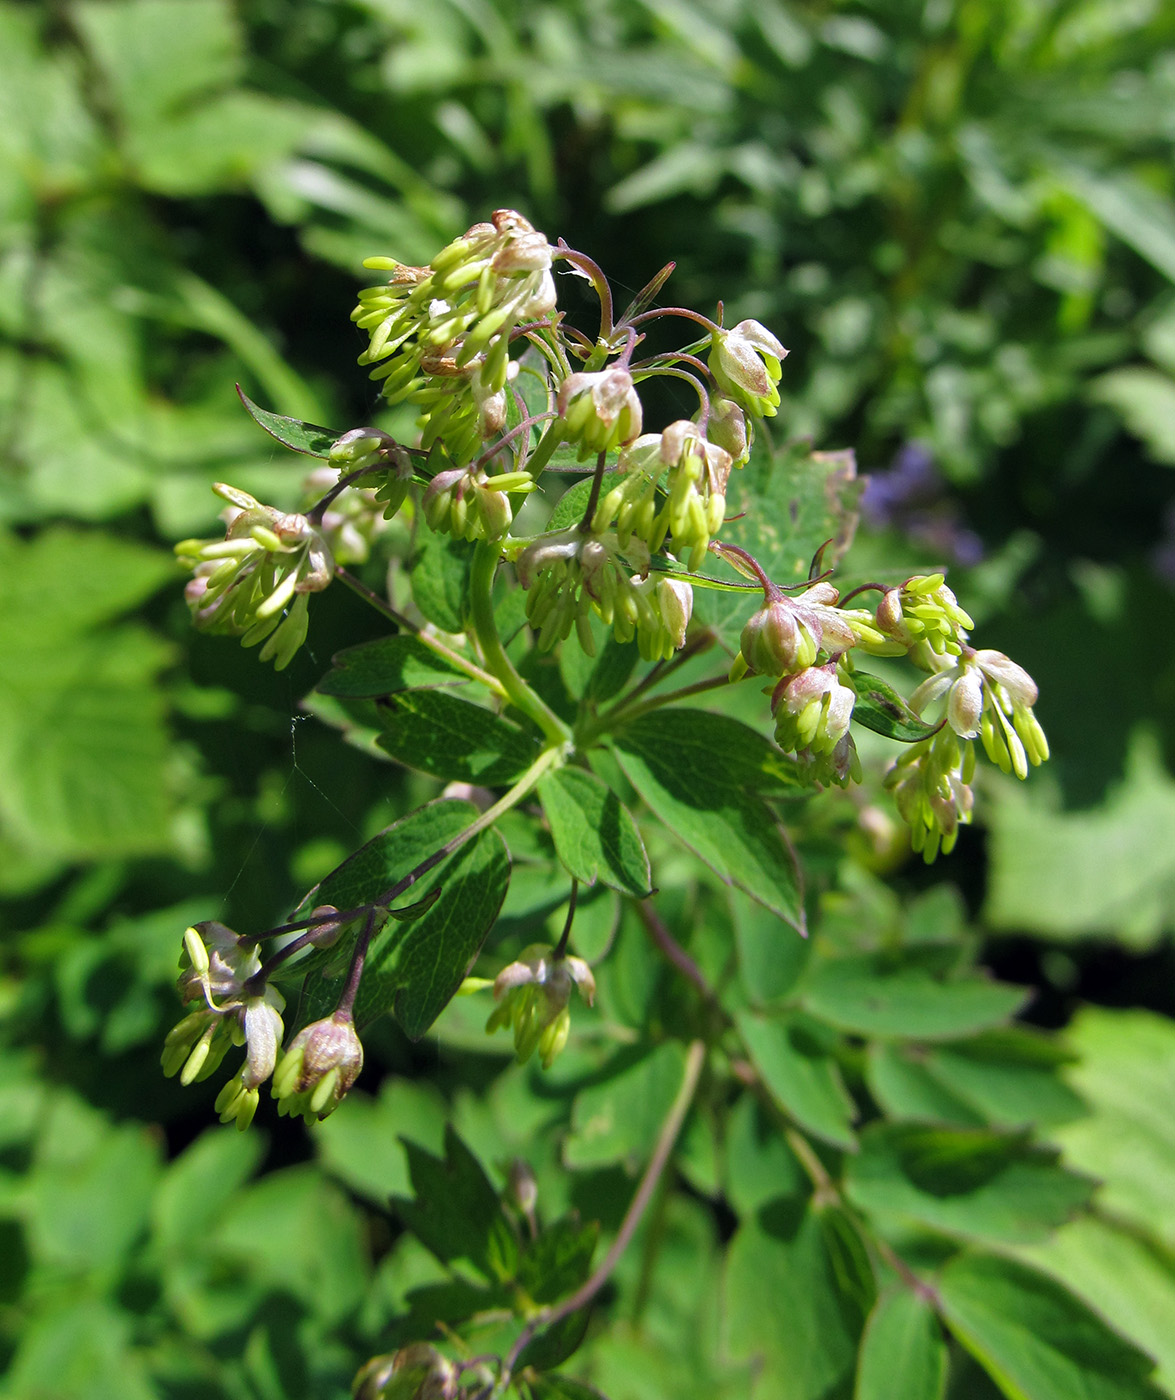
[[783, 1310], [386, 666], [868, 996], [879, 707], [967, 1182], [1126, 1074], [618, 1118], [307, 438], [790, 502], [439, 571], [455, 1212]]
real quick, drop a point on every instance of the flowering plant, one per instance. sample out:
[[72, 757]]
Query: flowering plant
[[543, 668]]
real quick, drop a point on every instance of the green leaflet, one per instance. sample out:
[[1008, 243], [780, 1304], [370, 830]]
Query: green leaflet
[[902, 1351], [1034, 1338], [790, 502], [782, 1307], [770, 957], [439, 571], [879, 707], [1126, 1075], [594, 833], [413, 969], [971, 1183], [867, 996], [454, 740], [416, 968], [388, 857], [83, 743], [699, 773], [618, 1118], [307, 438], [386, 666], [456, 1213], [800, 1075]]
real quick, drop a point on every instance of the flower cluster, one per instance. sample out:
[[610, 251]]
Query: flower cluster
[[222, 973], [570, 574], [533, 995], [472, 505], [440, 335], [254, 584], [218, 971]]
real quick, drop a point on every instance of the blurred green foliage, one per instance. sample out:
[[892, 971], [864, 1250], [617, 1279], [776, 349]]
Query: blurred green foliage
[[960, 217]]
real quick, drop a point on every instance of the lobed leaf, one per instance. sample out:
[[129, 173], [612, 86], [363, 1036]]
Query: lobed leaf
[[800, 1075], [902, 1351], [972, 1183], [868, 996], [1034, 1338]]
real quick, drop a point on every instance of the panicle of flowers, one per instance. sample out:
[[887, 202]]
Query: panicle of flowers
[[931, 784], [599, 412], [533, 995], [569, 575], [255, 583], [440, 335], [988, 696]]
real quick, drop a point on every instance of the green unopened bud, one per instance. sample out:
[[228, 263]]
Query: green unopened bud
[[779, 640], [813, 710], [415, 1372], [320, 1065], [728, 428], [601, 411]]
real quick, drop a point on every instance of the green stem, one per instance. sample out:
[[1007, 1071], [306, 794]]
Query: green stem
[[481, 583], [545, 450], [454, 658]]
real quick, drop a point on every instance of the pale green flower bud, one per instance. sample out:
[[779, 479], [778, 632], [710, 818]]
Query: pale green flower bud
[[600, 412], [931, 615], [728, 428], [746, 362], [253, 583], [320, 1065], [931, 786], [812, 711], [194, 1048], [415, 1372]]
